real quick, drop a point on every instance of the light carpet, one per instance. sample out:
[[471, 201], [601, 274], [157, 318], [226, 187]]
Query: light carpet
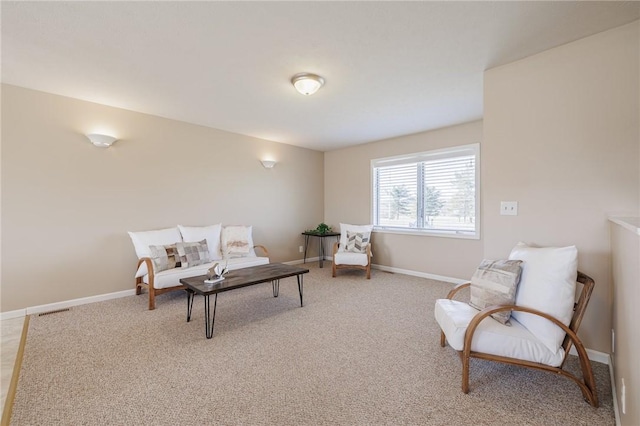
[[360, 352]]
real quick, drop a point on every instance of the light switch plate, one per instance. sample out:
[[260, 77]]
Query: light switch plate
[[509, 208]]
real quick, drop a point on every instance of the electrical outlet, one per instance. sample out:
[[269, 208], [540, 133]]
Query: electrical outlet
[[623, 398], [301, 249], [509, 208]]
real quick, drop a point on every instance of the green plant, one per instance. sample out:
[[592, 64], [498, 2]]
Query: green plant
[[322, 228]]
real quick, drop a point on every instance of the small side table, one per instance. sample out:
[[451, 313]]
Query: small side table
[[321, 237]]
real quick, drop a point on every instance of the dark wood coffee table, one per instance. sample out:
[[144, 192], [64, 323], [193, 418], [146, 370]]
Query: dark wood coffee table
[[239, 278]]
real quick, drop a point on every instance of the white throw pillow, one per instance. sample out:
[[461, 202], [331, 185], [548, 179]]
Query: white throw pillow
[[142, 241], [548, 284], [193, 234], [237, 241], [344, 227]]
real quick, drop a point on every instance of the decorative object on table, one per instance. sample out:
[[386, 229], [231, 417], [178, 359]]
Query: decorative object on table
[[216, 273], [321, 229]]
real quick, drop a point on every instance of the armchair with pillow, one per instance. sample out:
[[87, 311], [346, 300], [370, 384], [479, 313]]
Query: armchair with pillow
[[167, 255], [354, 248], [522, 312]]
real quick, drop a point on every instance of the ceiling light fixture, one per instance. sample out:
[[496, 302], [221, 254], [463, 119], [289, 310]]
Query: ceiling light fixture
[[306, 83], [268, 164], [102, 141]]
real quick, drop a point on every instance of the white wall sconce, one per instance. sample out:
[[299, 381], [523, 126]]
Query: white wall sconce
[[102, 141], [268, 164], [306, 83]]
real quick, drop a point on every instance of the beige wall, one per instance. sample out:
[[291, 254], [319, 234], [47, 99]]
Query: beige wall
[[625, 246], [67, 205], [348, 200], [561, 138]]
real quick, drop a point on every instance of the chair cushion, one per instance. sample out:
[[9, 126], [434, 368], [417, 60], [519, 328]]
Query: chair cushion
[[171, 277], [192, 234], [490, 336], [495, 283], [349, 258], [548, 284], [142, 241], [365, 230]]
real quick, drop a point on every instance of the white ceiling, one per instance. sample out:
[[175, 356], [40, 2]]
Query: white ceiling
[[391, 68]]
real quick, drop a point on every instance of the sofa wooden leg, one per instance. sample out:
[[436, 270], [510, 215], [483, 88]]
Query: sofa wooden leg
[[443, 339], [369, 271], [334, 269], [152, 298]]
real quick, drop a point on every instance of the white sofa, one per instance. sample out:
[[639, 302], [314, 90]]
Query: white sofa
[[163, 254]]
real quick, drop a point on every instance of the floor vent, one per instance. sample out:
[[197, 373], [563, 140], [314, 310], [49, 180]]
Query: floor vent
[[57, 311]]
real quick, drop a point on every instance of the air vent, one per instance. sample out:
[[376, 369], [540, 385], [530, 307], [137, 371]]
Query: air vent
[[57, 311]]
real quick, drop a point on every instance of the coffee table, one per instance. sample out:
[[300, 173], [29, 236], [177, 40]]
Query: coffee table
[[238, 278]]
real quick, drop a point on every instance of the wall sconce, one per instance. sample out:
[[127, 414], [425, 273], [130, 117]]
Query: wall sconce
[[102, 141], [268, 164]]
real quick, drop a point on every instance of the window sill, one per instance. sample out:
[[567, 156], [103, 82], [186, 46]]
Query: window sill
[[425, 233]]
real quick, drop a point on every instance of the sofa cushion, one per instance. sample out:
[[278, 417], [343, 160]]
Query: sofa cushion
[[164, 257], [171, 277], [365, 230], [192, 234], [193, 254], [492, 337], [494, 283], [548, 284], [237, 241], [142, 240]]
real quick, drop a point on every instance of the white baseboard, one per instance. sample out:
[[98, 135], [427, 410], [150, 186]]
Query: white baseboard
[[419, 274], [299, 261], [595, 356], [65, 304], [614, 392]]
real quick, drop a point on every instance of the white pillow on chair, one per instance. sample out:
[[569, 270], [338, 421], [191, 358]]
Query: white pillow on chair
[[548, 284]]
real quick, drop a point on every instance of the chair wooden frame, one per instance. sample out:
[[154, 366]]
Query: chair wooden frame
[[153, 292], [587, 384], [366, 268]]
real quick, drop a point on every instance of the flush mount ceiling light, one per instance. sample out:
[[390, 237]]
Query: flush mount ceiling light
[[306, 83], [102, 141]]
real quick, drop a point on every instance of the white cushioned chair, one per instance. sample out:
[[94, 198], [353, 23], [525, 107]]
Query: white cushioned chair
[[354, 248], [544, 318]]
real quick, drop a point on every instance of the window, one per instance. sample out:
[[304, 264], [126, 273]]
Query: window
[[433, 192]]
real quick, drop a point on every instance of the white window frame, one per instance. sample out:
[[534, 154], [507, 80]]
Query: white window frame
[[471, 149]]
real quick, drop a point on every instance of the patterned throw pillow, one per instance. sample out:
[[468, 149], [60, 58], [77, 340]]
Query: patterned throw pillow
[[193, 254], [357, 242], [495, 283], [164, 257], [236, 241]]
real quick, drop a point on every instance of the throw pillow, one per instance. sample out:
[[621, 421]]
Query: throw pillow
[[164, 257], [236, 241], [193, 254], [344, 227], [495, 283], [357, 242], [548, 284], [143, 240], [192, 234]]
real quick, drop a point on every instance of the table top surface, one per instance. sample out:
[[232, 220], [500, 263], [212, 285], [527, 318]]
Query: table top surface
[[326, 234], [243, 277]]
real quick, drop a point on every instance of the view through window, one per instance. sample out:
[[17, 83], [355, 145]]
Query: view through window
[[428, 192]]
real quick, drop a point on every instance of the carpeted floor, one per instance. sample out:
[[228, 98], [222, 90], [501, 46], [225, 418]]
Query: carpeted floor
[[359, 352]]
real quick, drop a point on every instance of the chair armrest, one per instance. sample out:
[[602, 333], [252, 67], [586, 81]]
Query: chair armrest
[[335, 247], [149, 263], [456, 289], [263, 248]]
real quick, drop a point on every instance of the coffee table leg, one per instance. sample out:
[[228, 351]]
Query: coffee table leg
[[276, 287], [208, 318], [300, 285], [190, 296]]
